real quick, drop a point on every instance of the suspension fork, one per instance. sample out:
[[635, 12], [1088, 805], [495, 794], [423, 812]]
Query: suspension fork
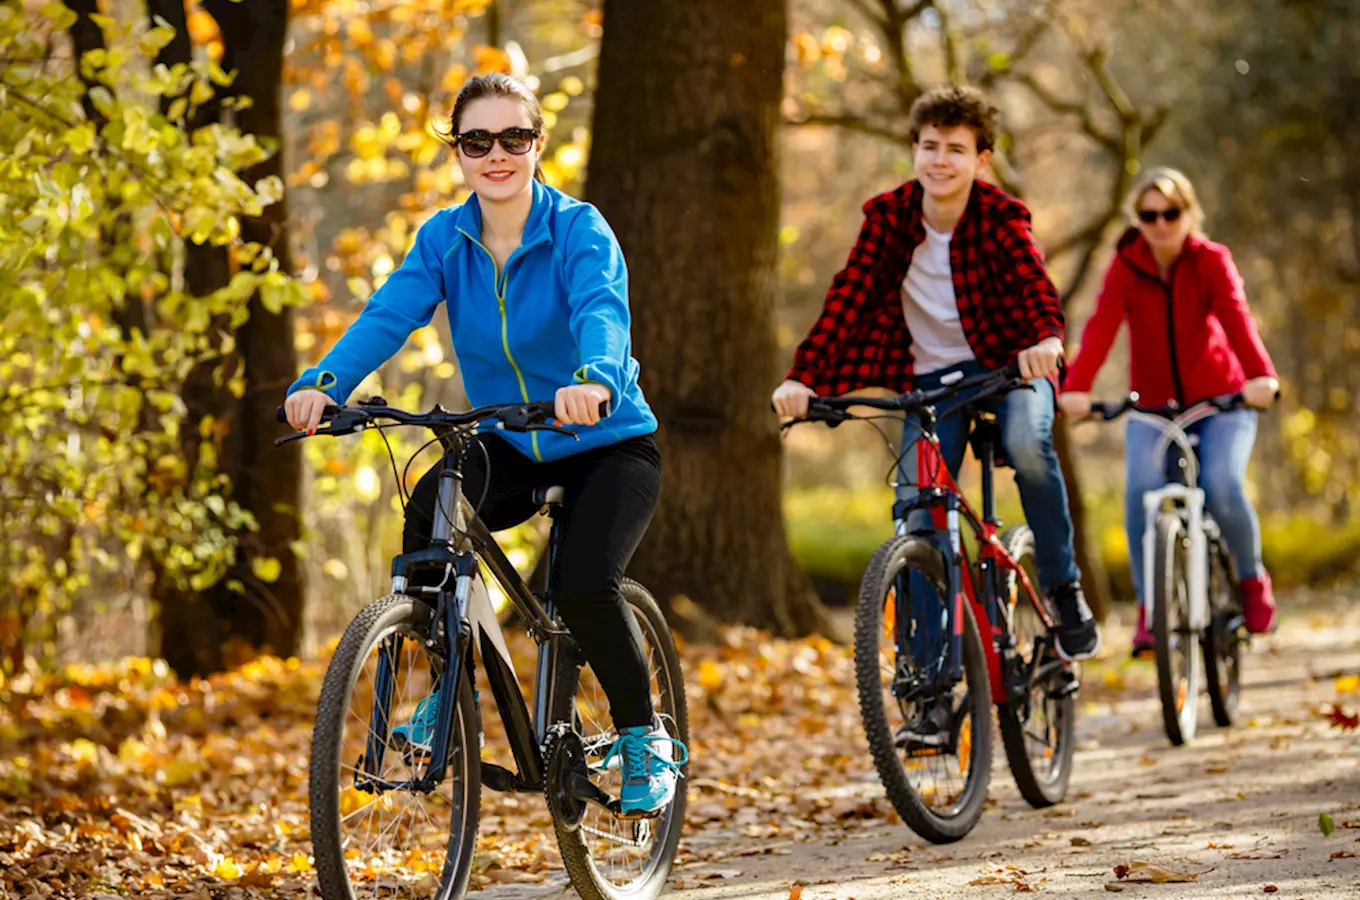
[[459, 632], [389, 661]]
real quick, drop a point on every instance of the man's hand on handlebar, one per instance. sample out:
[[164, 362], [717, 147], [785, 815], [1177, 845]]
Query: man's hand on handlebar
[[1041, 360], [790, 399]]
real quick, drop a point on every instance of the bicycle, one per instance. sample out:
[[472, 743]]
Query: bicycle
[[944, 701], [429, 634], [1188, 575]]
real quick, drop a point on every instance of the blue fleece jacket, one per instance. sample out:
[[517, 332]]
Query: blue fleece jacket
[[557, 315]]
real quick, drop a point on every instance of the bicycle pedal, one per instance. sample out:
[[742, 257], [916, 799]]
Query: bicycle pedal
[[639, 816], [1067, 686]]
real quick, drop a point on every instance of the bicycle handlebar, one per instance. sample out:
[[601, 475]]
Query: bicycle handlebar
[[518, 417], [1109, 411], [834, 410]]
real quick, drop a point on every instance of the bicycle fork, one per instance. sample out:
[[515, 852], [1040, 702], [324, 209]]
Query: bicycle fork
[[454, 617], [1192, 500]]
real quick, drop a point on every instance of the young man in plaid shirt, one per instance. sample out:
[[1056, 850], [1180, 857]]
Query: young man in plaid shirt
[[945, 280]]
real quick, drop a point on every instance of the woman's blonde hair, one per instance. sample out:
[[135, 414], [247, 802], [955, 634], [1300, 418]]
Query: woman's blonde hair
[[1171, 184]]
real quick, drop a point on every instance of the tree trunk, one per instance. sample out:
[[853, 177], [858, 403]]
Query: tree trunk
[[267, 479], [1095, 581], [683, 165], [202, 632]]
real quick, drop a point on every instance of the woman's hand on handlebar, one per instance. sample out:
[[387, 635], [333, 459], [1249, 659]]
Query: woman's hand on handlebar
[[304, 408], [1076, 404], [790, 399], [1261, 392], [579, 404]]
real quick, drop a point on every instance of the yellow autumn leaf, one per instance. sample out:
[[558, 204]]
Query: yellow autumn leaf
[[266, 568], [300, 863], [227, 869], [710, 675], [1348, 684], [84, 751], [179, 773]]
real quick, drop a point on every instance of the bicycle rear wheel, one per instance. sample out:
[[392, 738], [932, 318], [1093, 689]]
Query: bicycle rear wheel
[[1038, 727], [1223, 640], [939, 791], [607, 857], [380, 840], [1178, 654]]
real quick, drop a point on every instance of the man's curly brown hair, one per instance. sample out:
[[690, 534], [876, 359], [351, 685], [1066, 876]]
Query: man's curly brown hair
[[948, 107]]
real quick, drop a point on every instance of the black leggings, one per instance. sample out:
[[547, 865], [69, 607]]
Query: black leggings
[[610, 495]]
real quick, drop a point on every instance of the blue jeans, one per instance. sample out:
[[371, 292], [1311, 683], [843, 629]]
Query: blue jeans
[[1026, 420], [1225, 442]]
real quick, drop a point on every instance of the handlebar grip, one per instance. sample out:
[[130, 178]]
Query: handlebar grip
[[327, 414]]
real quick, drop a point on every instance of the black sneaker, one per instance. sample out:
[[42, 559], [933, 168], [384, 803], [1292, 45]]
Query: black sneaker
[[1077, 635], [930, 734]]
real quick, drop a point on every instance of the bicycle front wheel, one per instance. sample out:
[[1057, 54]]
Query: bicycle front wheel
[[931, 739], [1038, 726], [607, 857], [1223, 640], [1178, 653], [373, 834]]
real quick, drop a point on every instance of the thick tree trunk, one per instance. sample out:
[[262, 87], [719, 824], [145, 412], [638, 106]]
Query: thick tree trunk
[[201, 632], [683, 165], [1095, 581]]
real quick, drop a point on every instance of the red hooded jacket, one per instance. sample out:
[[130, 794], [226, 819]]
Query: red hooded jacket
[[1190, 338]]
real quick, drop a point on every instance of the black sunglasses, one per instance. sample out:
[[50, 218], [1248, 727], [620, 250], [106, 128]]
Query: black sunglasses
[[478, 143], [1148, 215]]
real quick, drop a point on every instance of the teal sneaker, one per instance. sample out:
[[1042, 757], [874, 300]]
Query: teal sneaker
[[647, 757], [418, 733]]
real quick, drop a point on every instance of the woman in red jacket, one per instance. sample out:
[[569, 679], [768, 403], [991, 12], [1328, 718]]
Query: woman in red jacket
[[1191, 337]]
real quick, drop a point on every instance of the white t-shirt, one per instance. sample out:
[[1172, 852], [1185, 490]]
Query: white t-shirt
[[930, 307]]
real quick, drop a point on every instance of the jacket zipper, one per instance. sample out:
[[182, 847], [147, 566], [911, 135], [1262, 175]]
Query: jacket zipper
[[1171, 334], [499, 282]]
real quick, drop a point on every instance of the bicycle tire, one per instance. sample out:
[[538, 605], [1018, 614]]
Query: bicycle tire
[[363, 633], [1040, 789], [572, 839], [892, 558], [1222, 644], [1179, 694]]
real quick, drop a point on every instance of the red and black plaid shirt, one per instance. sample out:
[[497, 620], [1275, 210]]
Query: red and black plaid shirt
[[1006, 300]]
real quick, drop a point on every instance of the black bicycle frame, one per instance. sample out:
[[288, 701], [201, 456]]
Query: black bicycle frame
[[526, 733]]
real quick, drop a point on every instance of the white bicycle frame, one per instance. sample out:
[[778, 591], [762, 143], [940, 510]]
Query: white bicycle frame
[[1192, 499]]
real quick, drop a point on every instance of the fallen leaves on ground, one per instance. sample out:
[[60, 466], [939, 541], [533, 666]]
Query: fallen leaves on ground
[[1340, 718], [1009, 875], [1141, 872], [121, 780]]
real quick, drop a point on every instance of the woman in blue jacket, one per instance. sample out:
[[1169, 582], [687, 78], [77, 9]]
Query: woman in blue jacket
[[537, 296]]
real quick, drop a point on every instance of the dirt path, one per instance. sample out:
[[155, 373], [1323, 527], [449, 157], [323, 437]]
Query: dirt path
[[1240, 807]]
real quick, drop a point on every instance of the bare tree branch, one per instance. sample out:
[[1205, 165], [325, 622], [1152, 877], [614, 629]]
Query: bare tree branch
[[868, 12], [1024, 46], [953, 60], [1081, 111], [853, 123], [1007, 177]]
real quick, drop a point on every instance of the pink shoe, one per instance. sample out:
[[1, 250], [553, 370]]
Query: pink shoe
[[1258, 603], [1143, 642]]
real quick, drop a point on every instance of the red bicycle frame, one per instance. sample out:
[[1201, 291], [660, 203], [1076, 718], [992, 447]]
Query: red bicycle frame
[[939, 492]]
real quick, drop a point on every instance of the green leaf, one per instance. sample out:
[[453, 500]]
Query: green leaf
[[1325, 824], [62, 17], [266, 568], [156, 39]]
